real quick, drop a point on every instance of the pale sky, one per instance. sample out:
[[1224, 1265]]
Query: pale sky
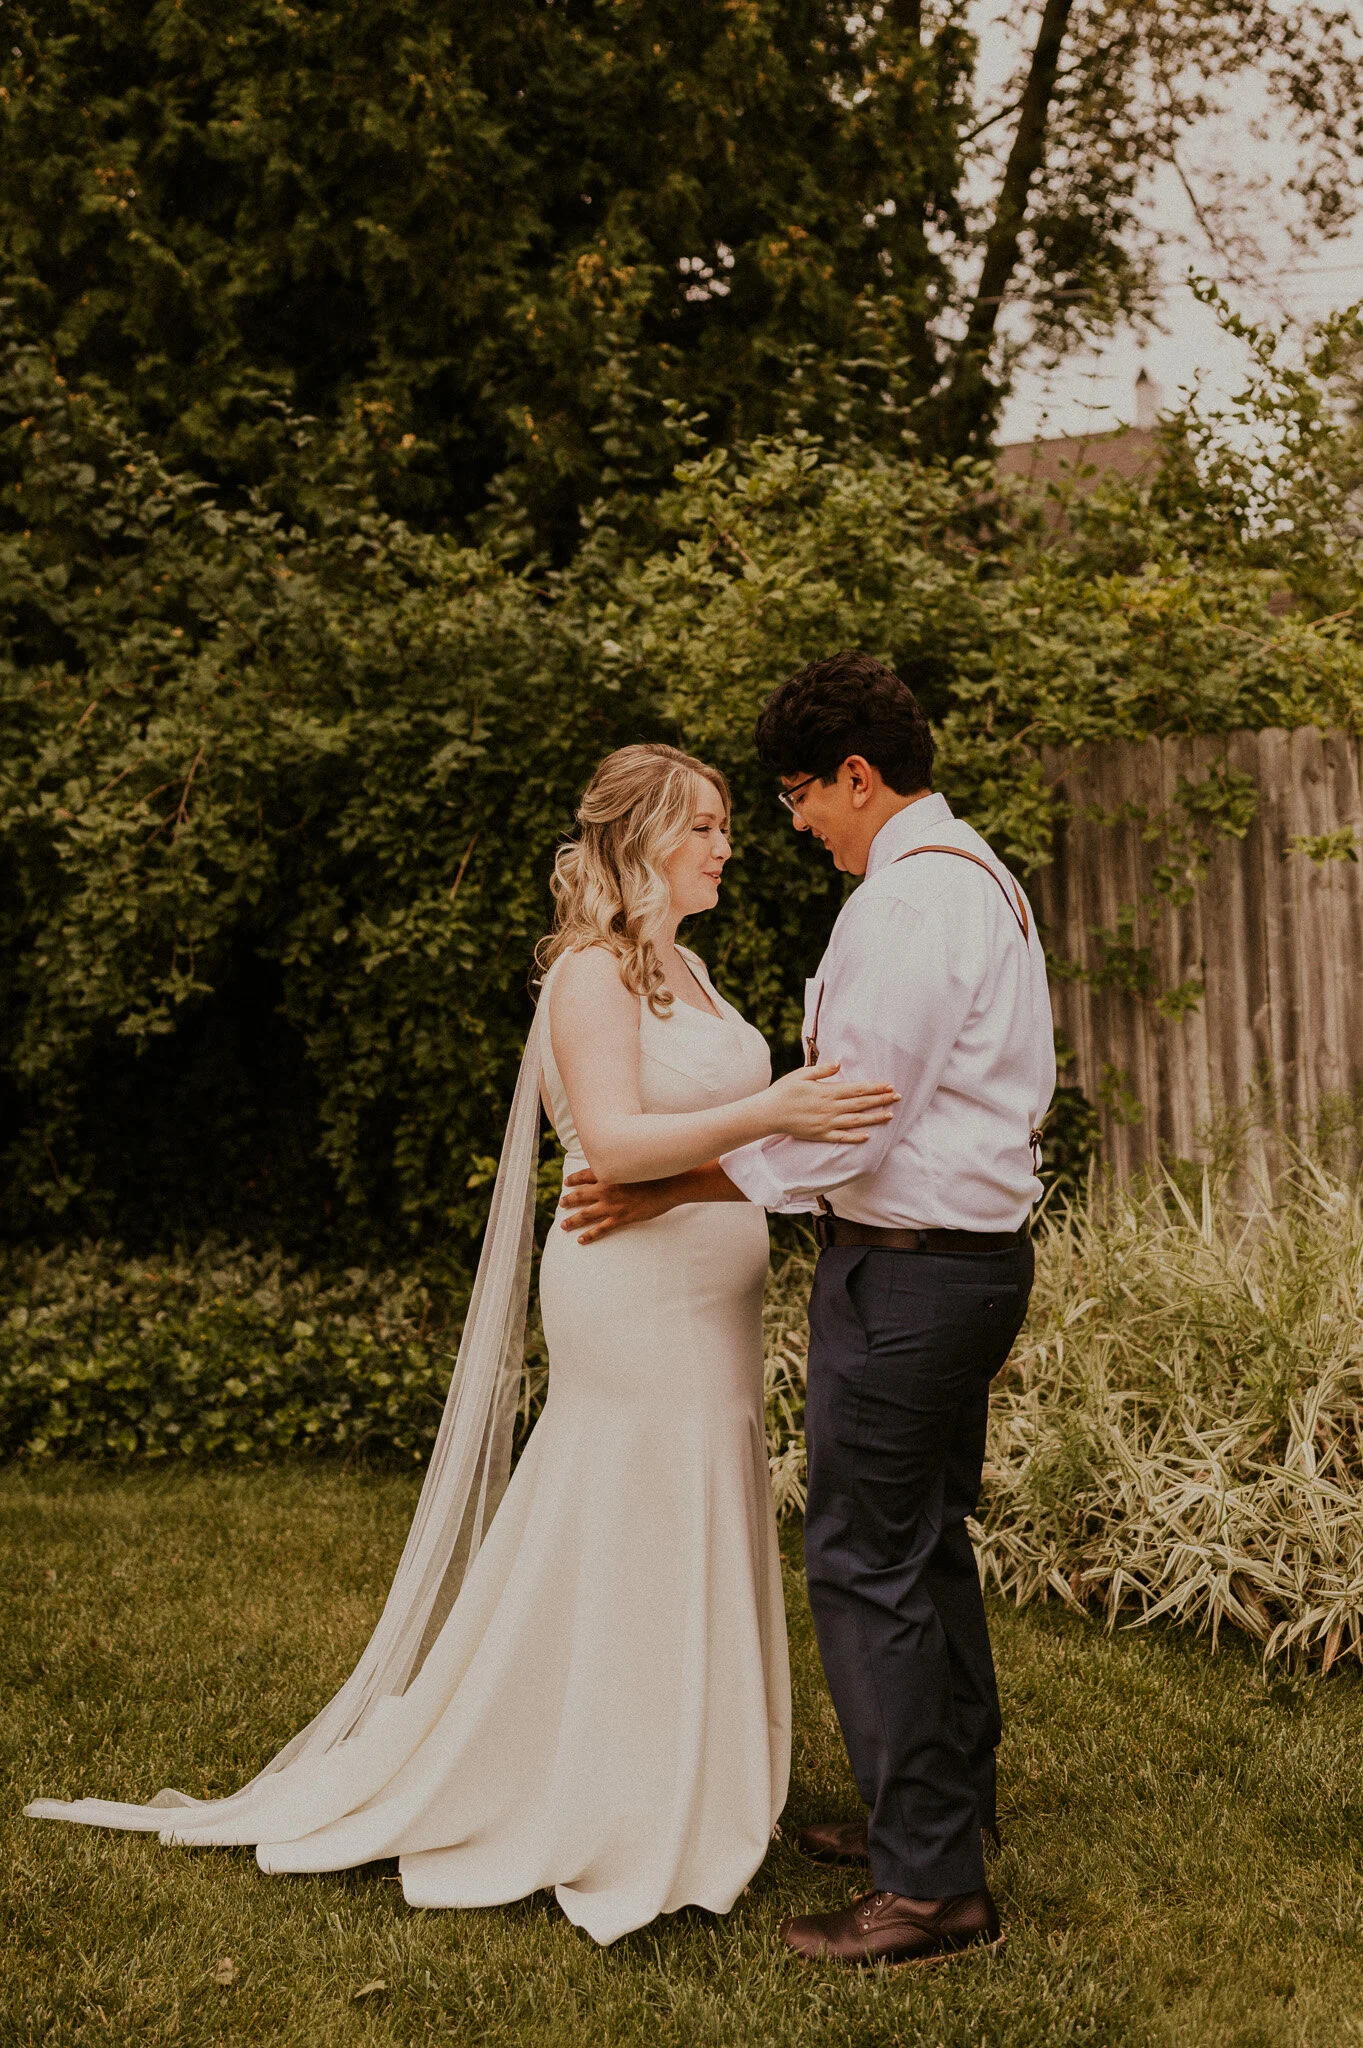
[[1265, 273], [1095, 390]]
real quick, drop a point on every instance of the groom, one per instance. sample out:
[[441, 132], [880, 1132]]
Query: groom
[[934, 980]]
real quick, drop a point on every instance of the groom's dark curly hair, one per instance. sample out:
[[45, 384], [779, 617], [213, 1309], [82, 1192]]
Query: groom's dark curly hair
[[848, 703]]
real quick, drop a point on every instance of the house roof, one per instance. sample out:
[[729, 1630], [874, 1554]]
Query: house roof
[[1130, 452]]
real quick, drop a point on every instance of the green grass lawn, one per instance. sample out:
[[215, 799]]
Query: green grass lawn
[[1180, 1861]]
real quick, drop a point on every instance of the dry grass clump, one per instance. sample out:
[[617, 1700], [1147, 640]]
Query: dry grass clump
[[1179, 1431]]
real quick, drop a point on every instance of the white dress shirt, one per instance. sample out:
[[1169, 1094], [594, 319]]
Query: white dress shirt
[[927, 983]]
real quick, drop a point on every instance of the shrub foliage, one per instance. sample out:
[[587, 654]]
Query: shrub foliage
[[282, 778], [222, 1354]]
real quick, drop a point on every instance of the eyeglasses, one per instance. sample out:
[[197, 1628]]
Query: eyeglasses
[[791, 797]]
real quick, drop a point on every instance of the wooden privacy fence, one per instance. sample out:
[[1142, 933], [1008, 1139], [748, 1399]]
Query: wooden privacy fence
[[1220, 960]]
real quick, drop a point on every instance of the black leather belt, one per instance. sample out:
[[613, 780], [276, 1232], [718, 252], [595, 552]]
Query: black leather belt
[[837, 1231]]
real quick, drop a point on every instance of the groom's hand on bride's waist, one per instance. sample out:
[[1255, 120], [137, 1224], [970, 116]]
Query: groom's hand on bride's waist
[[594, 1208]]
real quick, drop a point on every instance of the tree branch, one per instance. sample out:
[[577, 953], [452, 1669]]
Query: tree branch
[[1024, 161], [1204, 220], [183, 806], [991, 121], [968, 404]]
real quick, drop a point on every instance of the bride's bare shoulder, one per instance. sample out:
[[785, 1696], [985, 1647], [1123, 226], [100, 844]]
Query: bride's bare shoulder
[[588, 980]]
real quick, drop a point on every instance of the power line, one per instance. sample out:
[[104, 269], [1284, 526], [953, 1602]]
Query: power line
[[1324, 270], [1088, 291]]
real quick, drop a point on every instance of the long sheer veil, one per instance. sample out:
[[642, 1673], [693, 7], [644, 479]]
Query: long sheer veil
[[468, 1472], [471, 1458]]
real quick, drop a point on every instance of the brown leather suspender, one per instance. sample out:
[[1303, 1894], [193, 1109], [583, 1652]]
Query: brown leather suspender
[[1018, 908], [812, 1042]]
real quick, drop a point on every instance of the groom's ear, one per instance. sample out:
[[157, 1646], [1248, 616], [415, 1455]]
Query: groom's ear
[[863, 780]]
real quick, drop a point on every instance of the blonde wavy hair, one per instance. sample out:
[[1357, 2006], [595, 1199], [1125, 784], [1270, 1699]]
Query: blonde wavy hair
[[610, 886]]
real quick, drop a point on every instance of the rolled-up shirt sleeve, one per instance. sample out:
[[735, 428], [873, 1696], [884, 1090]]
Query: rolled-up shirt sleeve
[[896, 994]]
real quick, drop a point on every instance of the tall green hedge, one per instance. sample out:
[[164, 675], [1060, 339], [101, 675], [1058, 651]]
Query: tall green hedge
[[281, 779]]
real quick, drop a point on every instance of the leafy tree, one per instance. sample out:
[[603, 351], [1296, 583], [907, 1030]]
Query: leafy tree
[[1103, 97], [497, 239], [522, 252]]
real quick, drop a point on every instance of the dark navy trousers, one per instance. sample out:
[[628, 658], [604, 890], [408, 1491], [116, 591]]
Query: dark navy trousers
[[903, 1346]]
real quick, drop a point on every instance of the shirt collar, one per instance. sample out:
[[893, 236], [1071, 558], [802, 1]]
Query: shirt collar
[[912, 826]]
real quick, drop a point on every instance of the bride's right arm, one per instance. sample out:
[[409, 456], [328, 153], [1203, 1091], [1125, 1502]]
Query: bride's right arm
[[594, 1029]]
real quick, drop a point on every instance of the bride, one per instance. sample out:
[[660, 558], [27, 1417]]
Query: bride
[[579, 1678]]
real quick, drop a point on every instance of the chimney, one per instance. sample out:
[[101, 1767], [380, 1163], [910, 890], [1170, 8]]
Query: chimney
[[1149, 398]]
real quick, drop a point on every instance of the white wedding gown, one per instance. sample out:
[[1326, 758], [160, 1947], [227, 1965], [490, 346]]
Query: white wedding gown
[[606, 1709]]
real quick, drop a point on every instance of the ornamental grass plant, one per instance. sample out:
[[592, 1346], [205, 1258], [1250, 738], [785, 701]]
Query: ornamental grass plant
[[1180, 1432]]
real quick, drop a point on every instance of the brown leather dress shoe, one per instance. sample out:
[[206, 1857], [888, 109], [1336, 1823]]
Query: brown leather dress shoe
[[845, 1841], [882, 1927], [835, 1841]]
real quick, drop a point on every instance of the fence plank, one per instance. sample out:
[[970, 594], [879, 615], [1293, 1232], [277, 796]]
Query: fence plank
[[1276, 939]]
